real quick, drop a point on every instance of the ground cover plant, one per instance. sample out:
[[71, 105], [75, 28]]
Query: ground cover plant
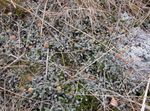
[[74, 55]]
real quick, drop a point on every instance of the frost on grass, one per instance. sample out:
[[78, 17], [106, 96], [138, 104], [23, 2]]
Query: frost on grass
[[83, 73], [136, 51]]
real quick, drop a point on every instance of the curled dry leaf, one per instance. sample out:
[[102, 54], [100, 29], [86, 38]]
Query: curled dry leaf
[[114, 102], [59, 88], [39, 23], [79, 2], [30, 46], [22, 89], [30, 90], [9, 13], [134, 8], [46, 45], [91, 77], [30, 78], [12, 37]]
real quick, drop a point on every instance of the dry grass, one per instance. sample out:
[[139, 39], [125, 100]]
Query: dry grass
[[70, 42]]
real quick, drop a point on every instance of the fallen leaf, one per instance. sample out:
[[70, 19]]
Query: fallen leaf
[[91, 77], [46, 45], [30, 78], [134, 8], [12, 37], [114, 102], [39, 23], [30, 90], [79, 2], [22, 89], [59, 88]]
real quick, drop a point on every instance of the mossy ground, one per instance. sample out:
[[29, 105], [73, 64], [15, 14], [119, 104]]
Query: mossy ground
[[61, 55]]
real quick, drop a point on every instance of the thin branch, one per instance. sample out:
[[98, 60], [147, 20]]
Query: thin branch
[[145, 95], [41, 31]]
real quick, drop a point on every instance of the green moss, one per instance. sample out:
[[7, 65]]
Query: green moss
[[67, 88], [87, 102], [63, 57], [20, 12], [101, 66]]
